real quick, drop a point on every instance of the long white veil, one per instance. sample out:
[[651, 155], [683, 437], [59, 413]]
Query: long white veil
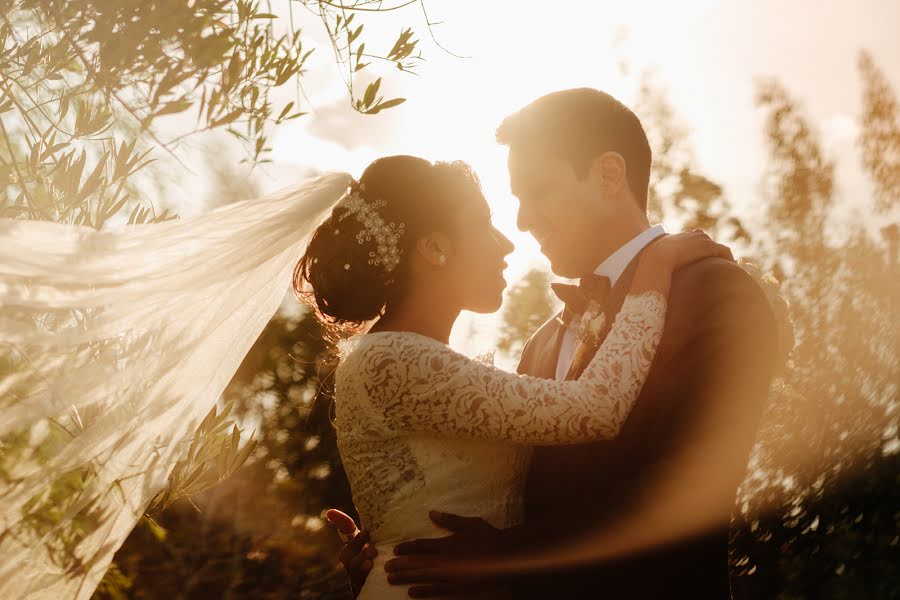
[[113, 347]]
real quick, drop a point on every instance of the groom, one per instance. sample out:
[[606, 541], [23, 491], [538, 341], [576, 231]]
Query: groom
[[655, 502]]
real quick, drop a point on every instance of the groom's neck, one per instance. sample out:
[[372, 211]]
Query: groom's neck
[[614, 237]]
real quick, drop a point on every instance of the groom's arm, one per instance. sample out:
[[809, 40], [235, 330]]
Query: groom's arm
[[700, 422], [701, 425]]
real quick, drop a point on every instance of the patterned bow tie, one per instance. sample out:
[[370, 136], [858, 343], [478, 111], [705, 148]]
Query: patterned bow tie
[[577, 297]]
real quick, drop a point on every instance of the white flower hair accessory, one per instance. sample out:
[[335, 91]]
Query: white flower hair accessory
[[386, 236]]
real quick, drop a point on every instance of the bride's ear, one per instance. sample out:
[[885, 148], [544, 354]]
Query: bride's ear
[[608, 170], [435, 249]]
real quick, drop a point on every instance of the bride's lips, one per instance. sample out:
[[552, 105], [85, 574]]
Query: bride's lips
[[500, 271]]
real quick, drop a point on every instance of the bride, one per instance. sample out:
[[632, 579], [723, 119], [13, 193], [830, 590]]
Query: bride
[[419, 426]]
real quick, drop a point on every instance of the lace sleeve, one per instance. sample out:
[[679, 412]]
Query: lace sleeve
[[421, 385]]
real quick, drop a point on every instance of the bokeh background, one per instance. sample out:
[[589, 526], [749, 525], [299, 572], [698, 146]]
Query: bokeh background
[[775, 126]]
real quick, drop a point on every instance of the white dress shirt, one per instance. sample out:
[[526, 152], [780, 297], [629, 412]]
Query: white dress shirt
[[612, 267]]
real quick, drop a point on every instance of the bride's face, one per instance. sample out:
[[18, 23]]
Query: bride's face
[[476, 262]]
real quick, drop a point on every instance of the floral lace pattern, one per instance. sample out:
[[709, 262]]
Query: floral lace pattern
[[419, 424]]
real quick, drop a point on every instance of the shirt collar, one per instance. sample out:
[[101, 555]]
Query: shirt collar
[[616, 263]]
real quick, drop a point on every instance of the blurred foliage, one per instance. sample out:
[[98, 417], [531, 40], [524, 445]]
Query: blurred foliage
[[528, 304], [677, 189], [83, 87], [821, 509], [88, 91], [818, 514], [215, 454], [85, 84], [261, 533]]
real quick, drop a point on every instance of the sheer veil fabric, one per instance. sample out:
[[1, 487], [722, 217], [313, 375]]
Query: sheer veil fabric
[[114, 346]]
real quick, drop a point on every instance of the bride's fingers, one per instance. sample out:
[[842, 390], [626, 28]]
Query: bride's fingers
[[361, 562], [355, 551], [341, 521], [725, 252], [711, 248], [702, 246]]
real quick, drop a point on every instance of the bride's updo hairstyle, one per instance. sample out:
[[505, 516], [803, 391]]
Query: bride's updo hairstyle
[[356, 263]]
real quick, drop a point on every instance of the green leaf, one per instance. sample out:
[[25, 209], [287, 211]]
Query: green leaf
[[93, 180], [371, 90], [132, 217], [157, 530], [229, 118], [53, 150], [114, 209], [241, 457], [175, 107], [387, 104], [235, 437], [284, 75], [285, 111]]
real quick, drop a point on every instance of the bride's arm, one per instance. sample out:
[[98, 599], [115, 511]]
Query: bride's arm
[[422, 385]]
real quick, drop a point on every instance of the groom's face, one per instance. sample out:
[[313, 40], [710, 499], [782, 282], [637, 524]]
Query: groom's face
[[565, 214]]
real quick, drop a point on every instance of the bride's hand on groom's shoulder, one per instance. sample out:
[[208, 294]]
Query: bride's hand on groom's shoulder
[[440, 566], [682, 249], [358, 554]]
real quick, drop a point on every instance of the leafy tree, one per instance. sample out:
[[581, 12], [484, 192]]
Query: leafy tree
[[677, 189], [260, 534], [529, 303], [88, 90], [816, 514], [820, 502], [88, 83], [880, 134]]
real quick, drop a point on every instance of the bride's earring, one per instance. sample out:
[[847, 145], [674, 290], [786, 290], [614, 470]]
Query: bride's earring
[[442, 260]]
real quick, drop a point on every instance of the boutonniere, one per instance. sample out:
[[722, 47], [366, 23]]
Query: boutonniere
[[592, 323]]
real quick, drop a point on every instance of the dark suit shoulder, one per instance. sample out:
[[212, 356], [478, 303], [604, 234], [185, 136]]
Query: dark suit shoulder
[[711, 280], [711, 271], [720, 294]]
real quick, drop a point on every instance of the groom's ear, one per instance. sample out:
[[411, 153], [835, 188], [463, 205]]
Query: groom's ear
[[608, 170]]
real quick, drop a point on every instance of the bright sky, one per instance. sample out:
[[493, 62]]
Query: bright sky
[[707, 54]]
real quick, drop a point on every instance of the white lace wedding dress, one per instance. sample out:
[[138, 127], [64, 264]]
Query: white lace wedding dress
[[421, 427]]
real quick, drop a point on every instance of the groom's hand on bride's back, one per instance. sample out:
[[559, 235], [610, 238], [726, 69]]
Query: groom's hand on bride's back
[[429, 565], [471, 536], [358, 554]]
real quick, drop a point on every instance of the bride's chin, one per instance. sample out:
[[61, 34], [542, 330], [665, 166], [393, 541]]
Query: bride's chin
[[489, 306]]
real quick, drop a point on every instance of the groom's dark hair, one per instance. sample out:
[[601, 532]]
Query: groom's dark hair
[[579, 125]]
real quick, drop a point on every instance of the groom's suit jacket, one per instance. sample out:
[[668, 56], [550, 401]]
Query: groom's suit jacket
[[718, 346]]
